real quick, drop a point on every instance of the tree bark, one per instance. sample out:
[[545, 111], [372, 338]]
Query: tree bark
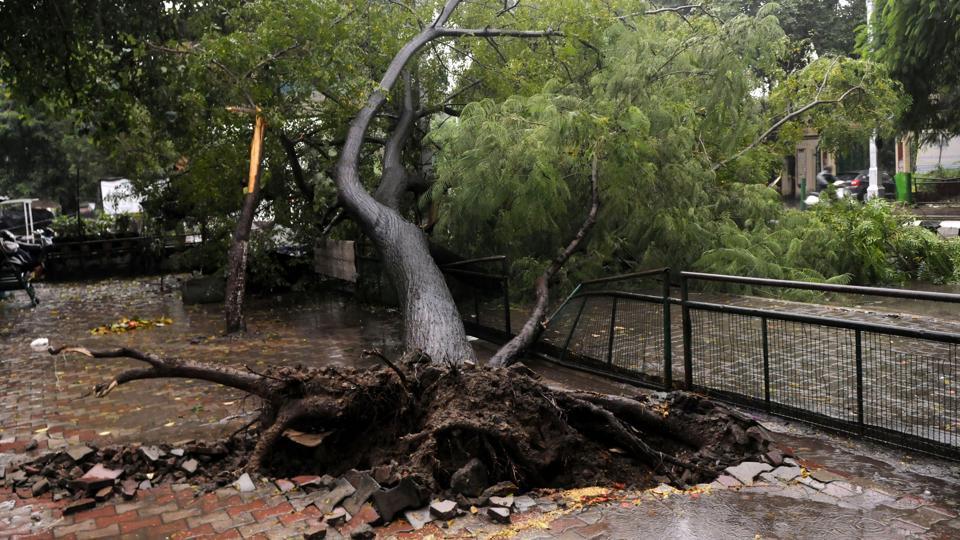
[[237, 256], [431, 320]]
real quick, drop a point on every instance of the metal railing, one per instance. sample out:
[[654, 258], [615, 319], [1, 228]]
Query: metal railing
[[933, 190], [616, 332], [890, 383], [481, 290], [865, 375]]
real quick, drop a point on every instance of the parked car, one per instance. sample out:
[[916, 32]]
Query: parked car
[[857, 182]]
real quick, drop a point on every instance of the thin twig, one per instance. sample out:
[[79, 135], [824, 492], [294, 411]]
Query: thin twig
[[377, 353]]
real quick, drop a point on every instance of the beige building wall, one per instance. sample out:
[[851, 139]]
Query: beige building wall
[[806, 168]]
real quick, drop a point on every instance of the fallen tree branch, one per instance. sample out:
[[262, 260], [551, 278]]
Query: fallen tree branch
[[509, 353], [779, 123], [174, 368]]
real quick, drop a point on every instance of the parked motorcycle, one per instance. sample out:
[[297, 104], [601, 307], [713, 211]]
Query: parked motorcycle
[[22, 256], [840, 188]]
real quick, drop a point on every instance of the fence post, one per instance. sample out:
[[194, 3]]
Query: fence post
[[667, 334], [576, 321], [687, 334], [506, 296], [766, 361], [859, 358], [613, 322]]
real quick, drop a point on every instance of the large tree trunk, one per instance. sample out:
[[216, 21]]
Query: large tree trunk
[[237, 256], [432, 323]]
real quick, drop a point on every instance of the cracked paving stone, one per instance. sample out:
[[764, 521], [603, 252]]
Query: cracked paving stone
[[747, 471], [839, 489]]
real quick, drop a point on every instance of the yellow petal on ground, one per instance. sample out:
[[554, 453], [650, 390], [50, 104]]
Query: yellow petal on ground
[[228, 403], [103, 433], [169, 424], [585, 493], [42, 430]]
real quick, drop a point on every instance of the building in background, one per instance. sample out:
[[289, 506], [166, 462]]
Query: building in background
[[118, 197]]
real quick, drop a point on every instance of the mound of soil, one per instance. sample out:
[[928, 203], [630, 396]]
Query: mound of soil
[[452, 431], [523, 432]]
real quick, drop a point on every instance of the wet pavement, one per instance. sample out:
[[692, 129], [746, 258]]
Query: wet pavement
[[878, 492]]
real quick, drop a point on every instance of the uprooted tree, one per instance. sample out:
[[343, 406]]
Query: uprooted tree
[[430, 420], [434, 409]]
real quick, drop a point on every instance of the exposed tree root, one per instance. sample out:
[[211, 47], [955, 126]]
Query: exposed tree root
[[428, 421]]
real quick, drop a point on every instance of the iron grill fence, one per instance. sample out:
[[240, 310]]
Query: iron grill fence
[[480, 288], [618, 325], [879, 380]]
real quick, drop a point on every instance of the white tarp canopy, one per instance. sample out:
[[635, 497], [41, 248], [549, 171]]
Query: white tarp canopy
[[118, 197]]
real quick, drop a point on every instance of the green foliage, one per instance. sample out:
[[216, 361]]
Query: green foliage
[[46, 157], [840, 240], [869, 100], [674, 99], [918, 39], [816, 28], [99, 224]]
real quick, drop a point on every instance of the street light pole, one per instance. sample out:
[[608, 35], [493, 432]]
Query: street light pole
[[874, 188]]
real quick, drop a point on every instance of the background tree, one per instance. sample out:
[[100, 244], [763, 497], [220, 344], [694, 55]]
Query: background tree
[[918, 40]]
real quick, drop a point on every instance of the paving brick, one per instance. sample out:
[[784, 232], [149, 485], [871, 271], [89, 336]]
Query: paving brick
[[252, 529], [167, 529], [111, 531], [201, 531], [106, 510], [197, 521], [46, 535], [308, 512], [232, 522], [123, 508], [87, 525], [180, 514], [117, 518], [151, 510], [264, 513], [246, 507], [132, 526]]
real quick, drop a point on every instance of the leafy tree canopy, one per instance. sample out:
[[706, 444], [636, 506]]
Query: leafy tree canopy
[[690, 125]]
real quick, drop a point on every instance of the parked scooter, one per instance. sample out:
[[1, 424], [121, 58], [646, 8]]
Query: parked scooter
[[840, 189], [21, 256]]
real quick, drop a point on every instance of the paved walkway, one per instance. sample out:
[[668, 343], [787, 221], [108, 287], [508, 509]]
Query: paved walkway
[[890, 494]]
